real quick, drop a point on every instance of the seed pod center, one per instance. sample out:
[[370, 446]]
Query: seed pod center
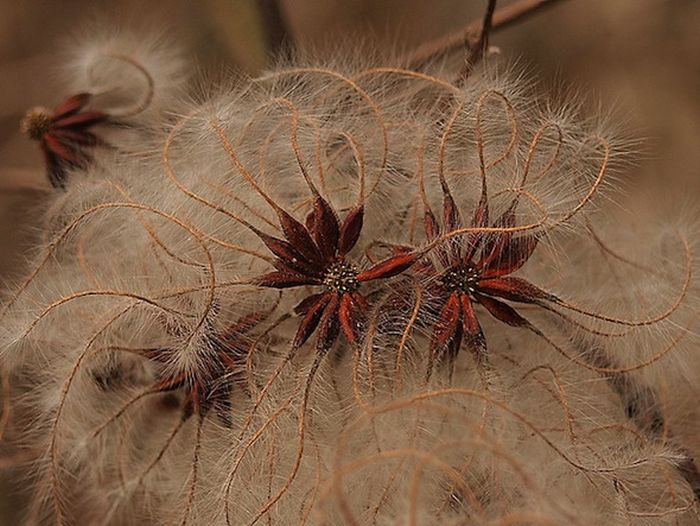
[[462, 278], [36, 123], [341, 277]]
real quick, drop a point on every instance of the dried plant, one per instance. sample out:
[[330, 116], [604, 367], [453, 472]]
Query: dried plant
[[187, 275]]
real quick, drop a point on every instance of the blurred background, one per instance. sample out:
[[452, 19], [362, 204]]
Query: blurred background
[[641, 57]]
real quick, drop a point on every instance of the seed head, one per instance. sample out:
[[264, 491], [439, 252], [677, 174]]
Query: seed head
[[36, 123], [462, 278], [341, 277]]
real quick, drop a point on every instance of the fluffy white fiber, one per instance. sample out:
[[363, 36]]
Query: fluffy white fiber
[[151, 257]]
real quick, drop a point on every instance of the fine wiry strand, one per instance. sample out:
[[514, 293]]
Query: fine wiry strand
[[128, 72]]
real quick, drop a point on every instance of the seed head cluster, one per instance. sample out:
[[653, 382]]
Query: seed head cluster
[[343, 292], [341, 277], [463, 278]]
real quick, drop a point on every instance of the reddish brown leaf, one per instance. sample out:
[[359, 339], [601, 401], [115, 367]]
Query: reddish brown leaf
[[81, 120], [446, 325], [514, 289], [480, 220], [310, 222], [71, 105], [472, 329], [361, 302], [450, 214], [328, 327], [54, 169], [283, 280], [494, 242], [351, 229], [512, 257], [432, 231], [326, 228], [83, 138], [452, 221], [305, 305], [65, 153], [311, 319], [389, 267], [432, 228], [288, 254], [350, 317], [299, 237], [502, 311]]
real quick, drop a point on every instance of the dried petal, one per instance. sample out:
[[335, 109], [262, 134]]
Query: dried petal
[[432, 228], [283, 280], [351, 229], [305, 305], [71, 105], [452, 221], [299, 237], [361, 302], [512, 257], [446, 326], [311, 222], [514, 289], [311, 319], [502, 311], [350, 317], [81, 120], [494, 242], [65, 153], [389, 267], [451, 218], [289, 256], [472, 328], [480, 220], [83, 138], [328, 327], [326, 228], [54, 169]]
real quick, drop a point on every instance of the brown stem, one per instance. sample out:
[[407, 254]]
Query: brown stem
[[279, 37], [502, 18], [477, 49]]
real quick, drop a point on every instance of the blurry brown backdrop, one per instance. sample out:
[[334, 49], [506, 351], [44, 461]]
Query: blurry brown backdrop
[[640, 56]]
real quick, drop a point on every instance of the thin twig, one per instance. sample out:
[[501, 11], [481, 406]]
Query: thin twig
[[476, 50], [503, 17], [279, 38]]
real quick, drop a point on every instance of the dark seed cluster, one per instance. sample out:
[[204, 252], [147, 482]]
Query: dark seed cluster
[[463, 278], [36, 123], [341, 277]]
